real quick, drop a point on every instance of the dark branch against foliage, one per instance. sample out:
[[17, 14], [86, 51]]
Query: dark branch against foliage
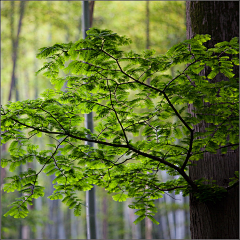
[[113, 84]]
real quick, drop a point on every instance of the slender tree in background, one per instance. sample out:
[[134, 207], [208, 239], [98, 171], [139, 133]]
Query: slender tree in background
[[87, 19], [220, 19], [148, 223], [15, 44], [23, 229], [147, 26], [105, 217]]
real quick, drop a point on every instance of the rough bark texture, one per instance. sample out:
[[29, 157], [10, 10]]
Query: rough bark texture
[[220, 220]]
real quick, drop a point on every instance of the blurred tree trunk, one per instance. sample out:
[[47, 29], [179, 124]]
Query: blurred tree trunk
[[74, 227], [24, 230], [164, 219], [56, 229], [187, 218], [38, 205], [13, 84], [15, 44], [38, 201], [50, 232], [158, 229], [180, 218], [60, 221], [127, 223], [36, 44], [50, 227], [179, 214], [90, 195], [220, 19], [170, 213], [148, 222], [91, 10], [135, 228], [117, 227], [147, 25], [148, 228], [105, 213]]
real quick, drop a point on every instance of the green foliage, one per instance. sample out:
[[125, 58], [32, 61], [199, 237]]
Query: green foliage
[[235, 179], [120, 197], [207, 193], [114, 85]]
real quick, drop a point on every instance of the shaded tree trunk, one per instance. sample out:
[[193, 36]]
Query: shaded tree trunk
[[220, 220]]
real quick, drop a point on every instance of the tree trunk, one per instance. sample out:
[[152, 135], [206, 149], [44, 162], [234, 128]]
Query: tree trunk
[[219, 220], [136, 231], [105, 222], [90, 195], [147, 26], [127, 223], [15, 43]]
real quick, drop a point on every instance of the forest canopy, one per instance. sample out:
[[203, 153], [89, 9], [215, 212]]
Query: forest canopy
[[130, 94]]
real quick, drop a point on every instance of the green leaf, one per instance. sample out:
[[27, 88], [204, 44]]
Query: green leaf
[[4, 163], [121, 197], [13, 146], [152, 219], [66, 199], [49, 167], [227, 73], [139, 219], [39, 134], [55, 196], [58, 82], [177, 133], [12, 211], [52, 171], [213, 74], [77, 210], [51, 145], [72, 205]]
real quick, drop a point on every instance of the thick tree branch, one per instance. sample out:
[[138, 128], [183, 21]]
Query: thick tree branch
[[189, 154], [185, 176]]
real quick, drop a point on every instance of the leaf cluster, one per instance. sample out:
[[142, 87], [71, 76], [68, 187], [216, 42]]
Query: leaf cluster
[[113, 84]]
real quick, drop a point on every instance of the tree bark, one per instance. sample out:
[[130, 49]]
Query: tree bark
[[91, 10], [219, 220]]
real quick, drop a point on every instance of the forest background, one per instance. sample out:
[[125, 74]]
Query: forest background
[[29, 25]]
